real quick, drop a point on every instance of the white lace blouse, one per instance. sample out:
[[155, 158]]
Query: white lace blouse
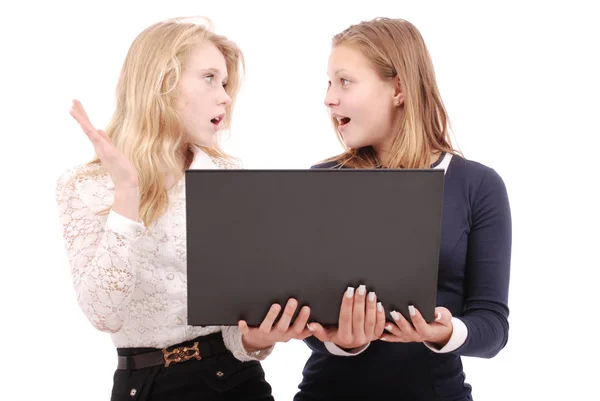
[[130, 280]]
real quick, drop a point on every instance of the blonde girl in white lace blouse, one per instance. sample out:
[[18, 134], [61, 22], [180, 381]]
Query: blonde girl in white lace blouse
[[123, 219]]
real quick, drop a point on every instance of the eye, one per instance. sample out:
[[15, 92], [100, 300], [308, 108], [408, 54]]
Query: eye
[[344, 82], [209, 77], [224, 84]]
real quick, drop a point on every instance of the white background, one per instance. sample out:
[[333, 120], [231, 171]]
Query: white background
[[521, 86]]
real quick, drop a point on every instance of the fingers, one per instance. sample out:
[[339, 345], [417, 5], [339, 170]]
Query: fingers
[[81, 117], [286, 318], [96, 137], [392, 329], [78, 108], [358, 314], [267, 323], [299, 328], [380, 321], [390, 338], [345, 320], [371, 315], [423, 329], [405, 327], [103, 135]]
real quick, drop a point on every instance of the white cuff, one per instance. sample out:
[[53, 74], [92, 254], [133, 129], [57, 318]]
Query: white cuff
[[335, 350], [124, 226], [458, 337]]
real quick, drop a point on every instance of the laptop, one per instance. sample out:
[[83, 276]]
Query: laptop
[[256, 237]]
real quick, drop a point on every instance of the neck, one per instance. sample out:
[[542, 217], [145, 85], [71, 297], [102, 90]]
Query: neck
[[384, 155]]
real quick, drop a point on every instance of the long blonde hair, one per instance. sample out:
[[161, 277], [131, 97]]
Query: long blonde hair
[[146, 124], [397, 50]]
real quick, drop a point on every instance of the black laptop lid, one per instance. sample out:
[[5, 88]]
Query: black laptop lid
[[255, 237]]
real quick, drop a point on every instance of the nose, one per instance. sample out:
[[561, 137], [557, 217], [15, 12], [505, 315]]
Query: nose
[[224, 98], [331, 98]]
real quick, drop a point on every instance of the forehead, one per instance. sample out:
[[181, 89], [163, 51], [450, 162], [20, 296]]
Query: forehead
[[349, 59], [206, 55]]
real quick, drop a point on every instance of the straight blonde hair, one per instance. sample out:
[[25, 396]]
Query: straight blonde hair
[[396, 50]]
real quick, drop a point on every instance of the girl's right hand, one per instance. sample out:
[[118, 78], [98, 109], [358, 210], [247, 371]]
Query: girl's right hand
[[120, 169]]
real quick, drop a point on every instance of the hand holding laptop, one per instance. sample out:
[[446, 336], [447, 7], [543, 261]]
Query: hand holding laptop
[[437, 332], [362, 320], [269, 332]]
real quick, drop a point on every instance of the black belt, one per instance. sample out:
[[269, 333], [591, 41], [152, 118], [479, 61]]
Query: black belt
[[199, 348]]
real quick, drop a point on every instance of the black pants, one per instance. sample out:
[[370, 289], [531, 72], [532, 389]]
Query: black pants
[[221, 377]]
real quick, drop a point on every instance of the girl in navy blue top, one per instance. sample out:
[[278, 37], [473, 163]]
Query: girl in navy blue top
[[387, 112]]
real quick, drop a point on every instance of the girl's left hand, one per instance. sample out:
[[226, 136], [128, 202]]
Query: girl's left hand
[[437, 332]]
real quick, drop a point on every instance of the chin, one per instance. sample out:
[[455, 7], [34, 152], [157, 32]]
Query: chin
[[354, 143], [202, 140]]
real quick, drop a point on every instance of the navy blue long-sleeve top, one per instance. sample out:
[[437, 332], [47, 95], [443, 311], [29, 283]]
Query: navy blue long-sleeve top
[[473, 280]]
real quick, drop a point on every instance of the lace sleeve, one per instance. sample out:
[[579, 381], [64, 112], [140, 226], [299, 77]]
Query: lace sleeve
[[99, 255]]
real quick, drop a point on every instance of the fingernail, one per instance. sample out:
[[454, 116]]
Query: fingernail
[[308, 326], [371, 296], [389, 327], [379, 306], [350, 292], [383, 339], [362, 290], [438, 317], [411, 310], [395, 315]]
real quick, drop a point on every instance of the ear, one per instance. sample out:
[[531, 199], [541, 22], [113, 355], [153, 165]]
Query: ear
[[398, 92]]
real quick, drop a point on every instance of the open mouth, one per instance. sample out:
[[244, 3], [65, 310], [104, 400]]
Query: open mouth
[[342, 120], [217, 120]]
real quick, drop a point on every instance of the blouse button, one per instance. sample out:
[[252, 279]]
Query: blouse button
[[171, 276], [178, 320], [133, 392]]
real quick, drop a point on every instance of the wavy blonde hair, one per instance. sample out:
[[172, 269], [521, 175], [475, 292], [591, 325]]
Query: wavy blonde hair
[[396, 50], [146, 124]]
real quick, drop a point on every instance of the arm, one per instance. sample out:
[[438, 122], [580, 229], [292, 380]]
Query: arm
[[99, 249], [485, 313]]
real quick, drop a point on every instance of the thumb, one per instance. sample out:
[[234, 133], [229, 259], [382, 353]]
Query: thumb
[[319, 331], [443, 316], [243, 326], [304, 335]]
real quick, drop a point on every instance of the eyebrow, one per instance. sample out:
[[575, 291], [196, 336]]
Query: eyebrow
[[338, 71]]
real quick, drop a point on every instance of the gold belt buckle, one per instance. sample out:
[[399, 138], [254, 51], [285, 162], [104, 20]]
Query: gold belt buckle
[[181, 354]]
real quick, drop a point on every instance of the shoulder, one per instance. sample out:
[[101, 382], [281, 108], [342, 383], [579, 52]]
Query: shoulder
[[482, 184], [226, 164], [475, 173]]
